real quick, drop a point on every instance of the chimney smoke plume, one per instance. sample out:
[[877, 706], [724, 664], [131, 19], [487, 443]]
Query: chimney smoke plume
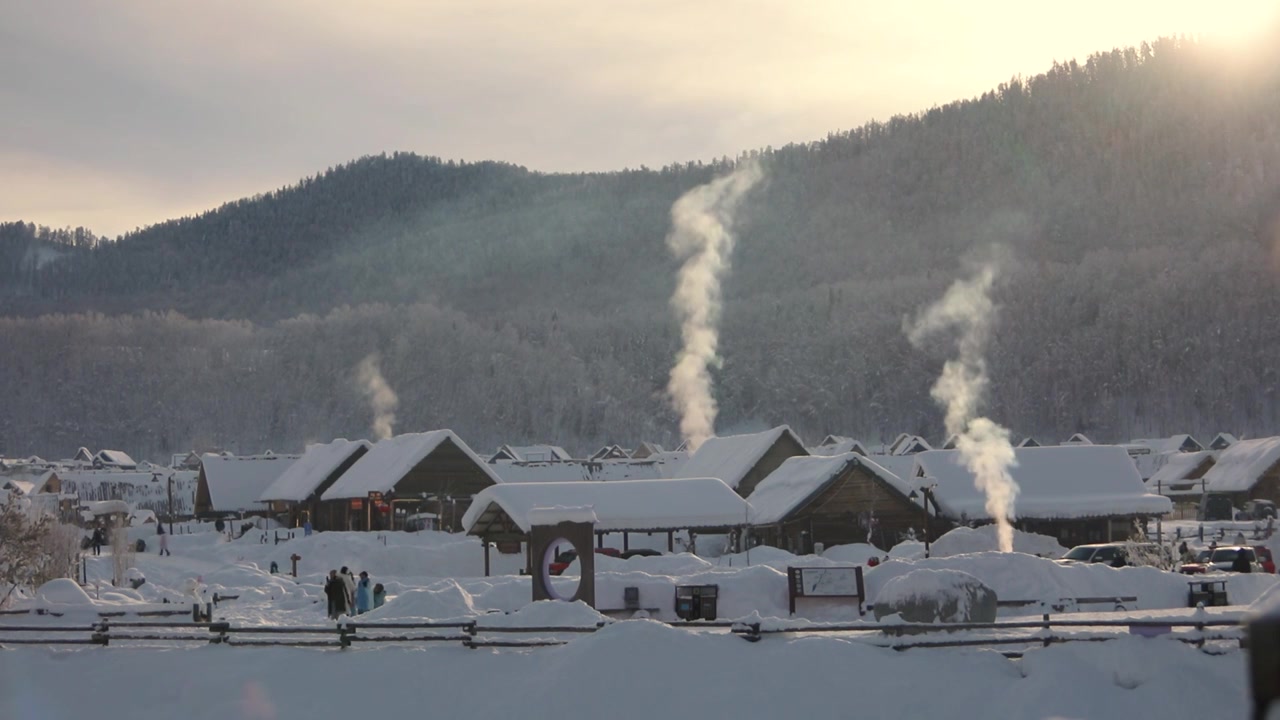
[[382, 399]]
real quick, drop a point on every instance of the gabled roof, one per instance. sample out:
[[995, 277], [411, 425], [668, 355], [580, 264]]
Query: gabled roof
[[636, 505], [1077, 439], [529, 453], [83, 455], [837, 445], [800, 480], [1222, 441], [235, 482], [1053, 483], [115, 458], [646, 449], [1240, 466], [731, 458], [1164, 446], [906, 444], [610, 452], [317, 463], [655, 467], [391, 459], [1029, 441], [1181, 468]]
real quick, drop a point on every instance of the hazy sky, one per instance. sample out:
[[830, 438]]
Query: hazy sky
[[116, 114]]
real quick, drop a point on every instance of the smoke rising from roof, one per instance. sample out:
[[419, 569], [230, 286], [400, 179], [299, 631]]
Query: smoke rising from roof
[[702, 236], [967, 309], [382, 399]]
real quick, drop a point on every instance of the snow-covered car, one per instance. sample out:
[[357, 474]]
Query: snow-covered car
[[1257, 510], [1118, 555]]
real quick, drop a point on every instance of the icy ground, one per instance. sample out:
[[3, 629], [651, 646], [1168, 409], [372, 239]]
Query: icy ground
[[631, 669]]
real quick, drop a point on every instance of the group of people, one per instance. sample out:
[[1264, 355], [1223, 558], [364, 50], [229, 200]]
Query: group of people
[[350, 596]]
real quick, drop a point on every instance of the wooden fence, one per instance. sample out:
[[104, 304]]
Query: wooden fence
[[477, 635]]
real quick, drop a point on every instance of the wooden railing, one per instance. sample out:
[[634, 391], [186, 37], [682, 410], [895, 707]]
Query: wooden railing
[[472, 634]]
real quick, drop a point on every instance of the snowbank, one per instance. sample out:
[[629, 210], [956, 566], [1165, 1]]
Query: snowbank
[[963, 540], [637, 670], [62, 592], [547, 613], [941, 595], [856, 554]]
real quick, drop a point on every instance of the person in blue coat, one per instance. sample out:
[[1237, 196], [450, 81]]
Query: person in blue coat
[[364, 594]]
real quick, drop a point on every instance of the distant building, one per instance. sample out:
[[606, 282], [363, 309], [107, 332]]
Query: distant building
[[434, 472], [742, 461], [1246, 470], [231, 484], [296, 492]]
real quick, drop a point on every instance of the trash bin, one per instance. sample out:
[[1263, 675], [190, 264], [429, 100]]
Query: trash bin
[[1213, 593], [631, 598], [697, 602]]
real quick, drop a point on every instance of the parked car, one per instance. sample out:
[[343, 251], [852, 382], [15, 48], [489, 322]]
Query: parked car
[[566, 558], [1215, 506], [1257, 510], [1119, 555], [639, 552], [1221, 560]]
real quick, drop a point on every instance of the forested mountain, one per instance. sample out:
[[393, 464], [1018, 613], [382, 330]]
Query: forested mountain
[[1138, 193]]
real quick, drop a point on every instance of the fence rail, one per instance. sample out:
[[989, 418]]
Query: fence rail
[[471, 634]]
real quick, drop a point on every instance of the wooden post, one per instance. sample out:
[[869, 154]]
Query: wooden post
[[599, 539], [625, 543], [1045, 620], [671, 542], [485, 540]]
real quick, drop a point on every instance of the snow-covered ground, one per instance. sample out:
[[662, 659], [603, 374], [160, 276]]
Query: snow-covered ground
[[628, 669]]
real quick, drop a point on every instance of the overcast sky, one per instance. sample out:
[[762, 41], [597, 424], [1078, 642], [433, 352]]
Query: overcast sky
[[116, 114]]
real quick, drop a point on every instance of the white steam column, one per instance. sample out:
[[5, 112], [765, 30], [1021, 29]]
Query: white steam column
[[702, 236], [382, 399], [967, 309]]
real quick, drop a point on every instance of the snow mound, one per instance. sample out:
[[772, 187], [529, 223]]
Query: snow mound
[[907, 550], [62, 591], [947, 595], [964, 540], [547, 613], [855, 554], [444, 600]]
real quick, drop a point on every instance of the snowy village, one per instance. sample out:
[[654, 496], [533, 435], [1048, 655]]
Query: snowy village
[[1158, 546]]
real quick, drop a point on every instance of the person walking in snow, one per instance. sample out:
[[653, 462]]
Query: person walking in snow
[[349, 584], [379, 596], [164, 540], [364, 594], [97, 541], [336, 592]]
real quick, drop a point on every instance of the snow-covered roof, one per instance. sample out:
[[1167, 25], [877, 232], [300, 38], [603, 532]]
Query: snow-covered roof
[[646, 449], [236, 481], [731, 458], [1173, 444], [1077, 439], [1029, 441], [900, 466], [317, 463], [907, 444], [640, 505], [106, 507], [1222, 441], [1240, 466], [610, 452], [21, 487], [655, 467], [388, 461], [116, 458], [799, 480], [1054, 483], [837, 445], [83, 455], [529, 453], [1179, 468]]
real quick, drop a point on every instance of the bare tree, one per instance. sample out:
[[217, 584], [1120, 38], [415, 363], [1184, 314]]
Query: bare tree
[[34, 548]]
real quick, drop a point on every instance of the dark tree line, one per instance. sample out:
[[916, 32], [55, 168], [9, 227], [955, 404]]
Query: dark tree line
[[1137, 192]]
